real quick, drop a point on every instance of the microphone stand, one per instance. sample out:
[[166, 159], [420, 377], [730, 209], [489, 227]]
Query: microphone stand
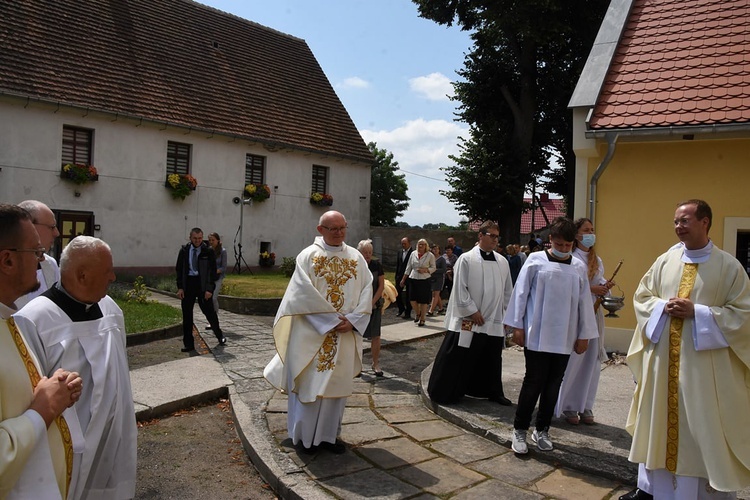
[[239, 259]]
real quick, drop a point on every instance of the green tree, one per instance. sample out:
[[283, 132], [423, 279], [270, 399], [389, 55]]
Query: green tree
[[517, 81], [388, 199]]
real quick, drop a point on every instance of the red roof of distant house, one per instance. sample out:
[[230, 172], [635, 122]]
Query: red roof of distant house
[[679, 63], [546, 206]]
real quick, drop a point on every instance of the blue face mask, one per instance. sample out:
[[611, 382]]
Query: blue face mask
[[560, 255], [588, 240]]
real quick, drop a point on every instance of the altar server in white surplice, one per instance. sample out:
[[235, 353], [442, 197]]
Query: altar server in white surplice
[[75, 324], [36, 448], [318, 334], [690, 356]]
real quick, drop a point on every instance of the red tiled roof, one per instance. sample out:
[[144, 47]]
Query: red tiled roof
[[550, 207], [679, 63], [176, 62]]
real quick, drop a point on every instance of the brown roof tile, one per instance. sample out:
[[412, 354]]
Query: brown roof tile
[[175, 61], [679, 62]]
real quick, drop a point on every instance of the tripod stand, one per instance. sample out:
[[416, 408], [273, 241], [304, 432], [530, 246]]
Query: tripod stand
[[239, 259]]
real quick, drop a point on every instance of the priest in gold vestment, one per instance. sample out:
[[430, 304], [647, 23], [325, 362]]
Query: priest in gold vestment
[[690, 356], [318, 334]]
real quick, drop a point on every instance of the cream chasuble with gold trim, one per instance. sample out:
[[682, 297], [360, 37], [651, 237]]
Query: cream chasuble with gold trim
[[692, 397], [313, 360]]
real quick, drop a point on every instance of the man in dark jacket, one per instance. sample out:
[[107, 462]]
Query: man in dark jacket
[[196, 269], [402, 300]]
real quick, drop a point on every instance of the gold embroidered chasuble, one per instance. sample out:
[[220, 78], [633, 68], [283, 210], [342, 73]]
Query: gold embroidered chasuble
[[307, 362], [20, 376], [689, 407]]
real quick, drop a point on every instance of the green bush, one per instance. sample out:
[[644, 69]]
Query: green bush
[[139, 293], [287, 266]]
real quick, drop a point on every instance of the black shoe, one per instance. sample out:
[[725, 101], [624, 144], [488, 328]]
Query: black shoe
[[399, 314], [337, 448], [223, 341], [502, 400], [379, 374], [637, 494], [187, 349], [307, 451]]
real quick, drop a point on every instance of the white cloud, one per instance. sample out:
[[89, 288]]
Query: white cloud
[[434, 87], [353, 82], [422, 147]]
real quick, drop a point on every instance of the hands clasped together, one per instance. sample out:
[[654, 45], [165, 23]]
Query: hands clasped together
[[53, 395]]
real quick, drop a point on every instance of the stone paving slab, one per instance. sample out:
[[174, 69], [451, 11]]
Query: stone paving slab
[[468, 448], [496, 489], [395, 453], [359, 433], [325, 465], [511, 469], [370, 485], [404, 414], [430, 430], [439, 476], [567, 484]]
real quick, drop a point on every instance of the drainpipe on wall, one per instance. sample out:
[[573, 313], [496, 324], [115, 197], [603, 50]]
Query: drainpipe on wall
[[611, 142]]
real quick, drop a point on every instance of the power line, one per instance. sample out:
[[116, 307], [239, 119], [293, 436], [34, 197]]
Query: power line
[[421, 175]]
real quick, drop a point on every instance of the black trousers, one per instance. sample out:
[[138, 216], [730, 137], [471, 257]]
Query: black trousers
[[544, 375], [402, 298], [192, 292]]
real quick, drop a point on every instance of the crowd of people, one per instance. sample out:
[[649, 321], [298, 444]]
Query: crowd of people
[[68, 426]]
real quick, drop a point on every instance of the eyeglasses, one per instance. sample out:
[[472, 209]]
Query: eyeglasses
[[335, 229], [51, 227], [493, 236], [39, 252], [684, 221]]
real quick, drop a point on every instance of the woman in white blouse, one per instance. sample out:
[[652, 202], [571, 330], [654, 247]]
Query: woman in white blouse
[[420, 267]]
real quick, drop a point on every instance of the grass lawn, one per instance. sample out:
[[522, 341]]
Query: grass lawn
[[265, 285], [148, 316]]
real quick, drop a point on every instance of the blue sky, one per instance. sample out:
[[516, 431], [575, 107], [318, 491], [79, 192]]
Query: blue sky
[[392, 71]]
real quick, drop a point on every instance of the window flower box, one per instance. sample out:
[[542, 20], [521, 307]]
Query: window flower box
[[180, 185], [266, 259], [79, 173], [257, 192], [321, 199]]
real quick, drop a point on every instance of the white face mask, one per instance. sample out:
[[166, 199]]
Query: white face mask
[[588, 240], [560, 255]]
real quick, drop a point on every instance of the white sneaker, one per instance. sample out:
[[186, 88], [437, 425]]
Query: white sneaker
[[519, 442], [541, 440]]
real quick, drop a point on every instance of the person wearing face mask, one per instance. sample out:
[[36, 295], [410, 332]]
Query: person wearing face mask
[[550, 316], [581, 381]]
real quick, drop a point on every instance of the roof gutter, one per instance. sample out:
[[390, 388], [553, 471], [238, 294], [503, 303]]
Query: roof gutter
[[679, 131], [611, 143]]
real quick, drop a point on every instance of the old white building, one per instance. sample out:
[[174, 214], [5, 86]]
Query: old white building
[[142, 89]]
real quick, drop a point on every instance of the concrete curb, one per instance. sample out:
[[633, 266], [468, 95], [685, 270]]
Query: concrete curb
[[239, 305], [566, 454], [150, 413], [167, 332], [285, 477]]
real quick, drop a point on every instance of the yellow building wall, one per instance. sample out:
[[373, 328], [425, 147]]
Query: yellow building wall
[[637, 196]]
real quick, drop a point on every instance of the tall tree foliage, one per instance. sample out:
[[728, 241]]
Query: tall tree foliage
[[388, 199], [517, 81]]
